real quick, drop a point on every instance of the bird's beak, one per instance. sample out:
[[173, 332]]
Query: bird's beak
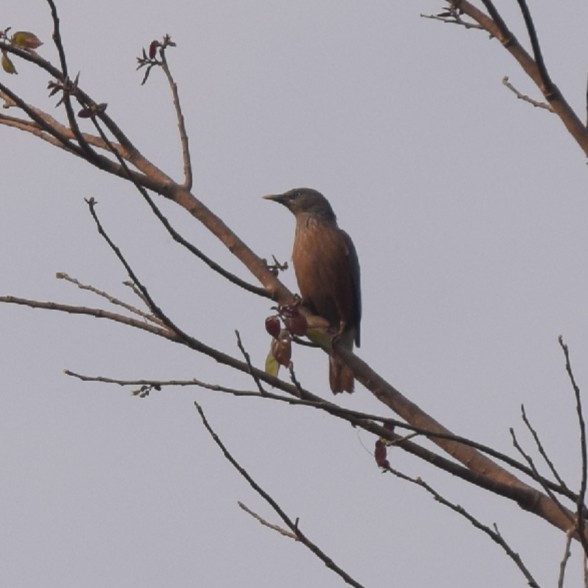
[[275, 197]]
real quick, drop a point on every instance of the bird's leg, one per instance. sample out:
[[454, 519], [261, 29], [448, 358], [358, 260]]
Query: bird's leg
[[337, 336]]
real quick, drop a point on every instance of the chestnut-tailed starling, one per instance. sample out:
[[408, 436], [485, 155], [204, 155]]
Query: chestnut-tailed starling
[[327, 272]]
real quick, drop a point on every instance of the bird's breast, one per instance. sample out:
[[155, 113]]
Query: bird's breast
[[323, 272]]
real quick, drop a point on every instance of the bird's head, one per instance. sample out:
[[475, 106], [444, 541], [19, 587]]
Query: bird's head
[[305, 201]]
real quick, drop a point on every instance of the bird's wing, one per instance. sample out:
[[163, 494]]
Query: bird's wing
[[355, 275]]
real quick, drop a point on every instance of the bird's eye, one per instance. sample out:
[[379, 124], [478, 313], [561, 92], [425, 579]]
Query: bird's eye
[[294, 195]]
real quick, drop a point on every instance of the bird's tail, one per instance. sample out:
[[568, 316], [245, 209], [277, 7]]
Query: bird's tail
[[340, 376]]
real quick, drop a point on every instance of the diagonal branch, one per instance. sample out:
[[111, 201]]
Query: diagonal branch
[[479, 464], [492, 533], [477, 467], [263, 522], [68, 85], [497, 28], [170, 229], [543, 453], [292, 525], [109, 297], [546, 80]]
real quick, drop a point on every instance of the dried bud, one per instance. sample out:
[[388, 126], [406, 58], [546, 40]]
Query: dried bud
[[294, 320], [380, 454], [272, 326], [281, 349], [92, 110], [153, 49]]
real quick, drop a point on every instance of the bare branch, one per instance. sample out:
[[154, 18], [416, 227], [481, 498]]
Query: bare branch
[[541, 449], [34, 115], [155, 309], [173, 233], [68, 86], [497, 28], [361, 420], [480, 465], [493, 534], [581, 507], [293, 526], [478, 468], [537, 477], [89, 311], [249, 364], [546, 80], [187, 184], [109, 297], [564, 560]]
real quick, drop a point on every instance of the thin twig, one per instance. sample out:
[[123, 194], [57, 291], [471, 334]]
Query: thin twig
[[364, 421], [293, 377], [564, 560], [580, 504], [89, 311], [369, 422], [493, 534], [292, 525], [526, 98], [247, 358], [539, 478], [173, 233], [155, 309], [452, 17], [188, 177], [68, 85], [265, 523], [109, 297], [541, 449]]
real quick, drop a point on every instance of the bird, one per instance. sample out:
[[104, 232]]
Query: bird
[[327, 271]]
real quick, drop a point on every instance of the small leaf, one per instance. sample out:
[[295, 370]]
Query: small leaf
[[25, 40], [272, 367], [85, 113], [7, 65]]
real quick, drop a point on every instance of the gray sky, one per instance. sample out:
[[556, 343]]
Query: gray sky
[[468, 210]]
